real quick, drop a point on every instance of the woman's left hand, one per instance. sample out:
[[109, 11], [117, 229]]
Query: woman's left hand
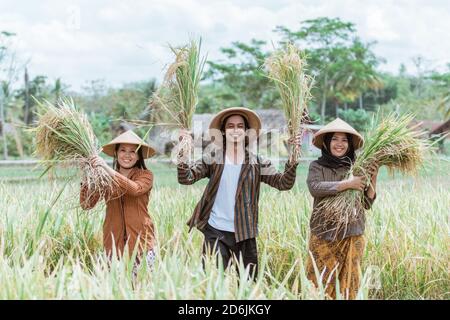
[[373, 170]]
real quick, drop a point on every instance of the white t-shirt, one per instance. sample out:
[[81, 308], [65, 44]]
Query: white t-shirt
[[222, 213]]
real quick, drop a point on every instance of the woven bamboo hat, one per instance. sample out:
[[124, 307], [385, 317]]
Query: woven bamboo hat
[[131, 138], [338, 125], [252, 118]]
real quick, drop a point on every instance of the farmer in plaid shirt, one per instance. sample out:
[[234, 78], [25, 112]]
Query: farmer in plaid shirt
[[227, 213]]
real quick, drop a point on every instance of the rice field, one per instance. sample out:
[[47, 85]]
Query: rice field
[[51, 249]]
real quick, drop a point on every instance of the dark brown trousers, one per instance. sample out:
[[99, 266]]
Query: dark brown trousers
[[224, 243]]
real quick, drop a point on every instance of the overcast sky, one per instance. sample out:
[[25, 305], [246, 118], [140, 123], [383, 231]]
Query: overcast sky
[[125, 41]]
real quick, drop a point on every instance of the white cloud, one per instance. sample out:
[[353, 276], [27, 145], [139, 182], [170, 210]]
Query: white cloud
[[127, 41], [379, 28]]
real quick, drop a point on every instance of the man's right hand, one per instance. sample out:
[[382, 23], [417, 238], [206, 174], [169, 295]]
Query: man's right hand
[[184, 134], [183, 150]]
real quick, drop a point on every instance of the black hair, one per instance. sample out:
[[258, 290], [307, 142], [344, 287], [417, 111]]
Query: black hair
[[140, 163], [246, 127], [224, 122]]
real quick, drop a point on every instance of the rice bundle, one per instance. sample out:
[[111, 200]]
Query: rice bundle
[[391, 143], [64, 134], [178, 95], [287, 68]]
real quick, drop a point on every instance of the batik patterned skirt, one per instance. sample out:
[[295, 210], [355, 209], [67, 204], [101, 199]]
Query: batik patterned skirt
[[341, 258]]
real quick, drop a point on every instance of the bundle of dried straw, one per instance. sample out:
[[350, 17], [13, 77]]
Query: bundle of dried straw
[[288, 69], [64, 135], [177, 97]]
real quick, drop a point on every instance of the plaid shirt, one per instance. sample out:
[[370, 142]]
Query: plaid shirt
[[247, 193]]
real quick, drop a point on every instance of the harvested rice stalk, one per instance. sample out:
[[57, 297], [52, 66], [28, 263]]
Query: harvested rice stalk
[[64, 135], [391, 143], [287, 68], [178, 95]]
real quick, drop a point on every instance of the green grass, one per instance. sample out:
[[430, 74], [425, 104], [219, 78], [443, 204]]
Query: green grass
[[55, 252]]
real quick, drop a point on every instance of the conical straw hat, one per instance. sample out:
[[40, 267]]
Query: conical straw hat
[[131, 138], [338, 125]]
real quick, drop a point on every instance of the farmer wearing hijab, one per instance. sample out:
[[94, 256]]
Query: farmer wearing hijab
[[128, 224], [227, 213], [337, 252]]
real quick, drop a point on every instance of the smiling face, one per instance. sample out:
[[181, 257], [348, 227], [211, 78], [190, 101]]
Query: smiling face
[[339, 144], [127, 155], [235, 129]]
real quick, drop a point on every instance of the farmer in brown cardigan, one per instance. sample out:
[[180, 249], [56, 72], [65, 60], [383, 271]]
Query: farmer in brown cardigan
[[337, 252], [127, 222], [227, 213]]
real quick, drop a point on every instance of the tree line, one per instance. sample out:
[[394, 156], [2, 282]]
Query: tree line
[[347, 84]]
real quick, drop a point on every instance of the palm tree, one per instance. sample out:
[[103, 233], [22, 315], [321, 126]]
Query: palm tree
[[355, 72]]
